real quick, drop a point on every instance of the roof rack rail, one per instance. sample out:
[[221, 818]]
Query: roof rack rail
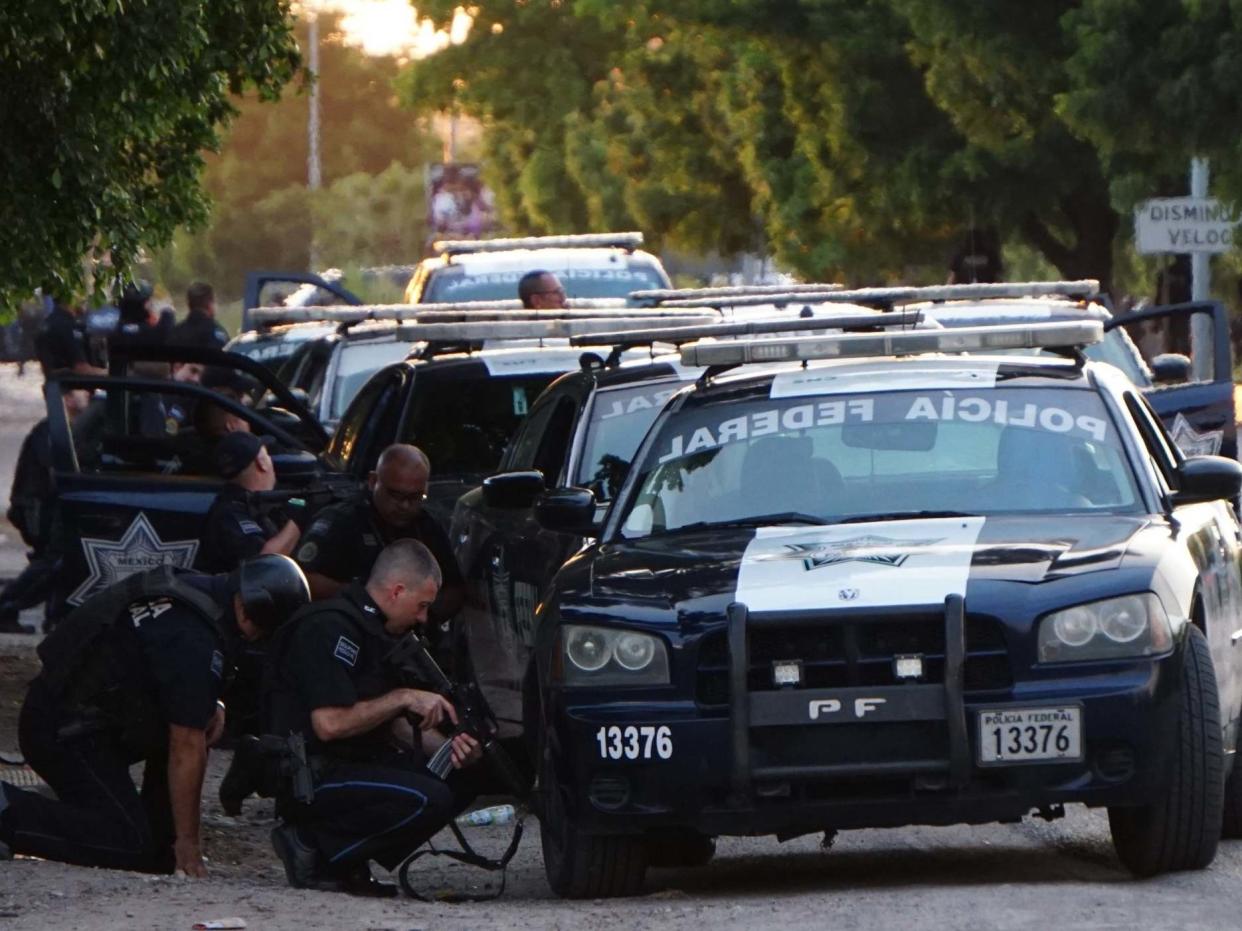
[[684, 334], [628, 241], [1070, 335], [751, 299], [889, 297], [356, 313], [475, 331], [673, 294]]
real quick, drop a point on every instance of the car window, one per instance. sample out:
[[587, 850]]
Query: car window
[[1008, 450], [620, 418], [521, 455], [554, 445], [1161, 453], [464, 425], [358, 362], [453, 283], [353, 427]]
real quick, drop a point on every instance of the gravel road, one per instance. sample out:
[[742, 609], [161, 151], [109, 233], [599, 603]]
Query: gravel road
[[1026, 876]]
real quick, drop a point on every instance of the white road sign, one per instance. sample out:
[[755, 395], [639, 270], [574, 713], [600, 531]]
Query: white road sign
[[1185, 224]]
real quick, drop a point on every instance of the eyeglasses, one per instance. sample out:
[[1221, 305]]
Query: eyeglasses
[[399, 497], [560, 291]]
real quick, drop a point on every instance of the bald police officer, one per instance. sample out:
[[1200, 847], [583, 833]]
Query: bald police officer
[[135, 674]]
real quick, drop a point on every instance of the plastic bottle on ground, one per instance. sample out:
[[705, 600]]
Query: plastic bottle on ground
[[494, 814]]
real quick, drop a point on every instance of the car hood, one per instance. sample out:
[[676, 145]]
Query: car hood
[[791, 567]]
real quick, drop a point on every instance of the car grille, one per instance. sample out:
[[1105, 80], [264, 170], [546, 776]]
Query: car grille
[[858, 651]]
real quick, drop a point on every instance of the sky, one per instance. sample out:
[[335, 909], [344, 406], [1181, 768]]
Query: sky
[[391, 27]]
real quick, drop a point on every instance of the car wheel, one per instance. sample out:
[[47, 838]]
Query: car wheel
[[1180, 830], [680, 850], [580, 865]]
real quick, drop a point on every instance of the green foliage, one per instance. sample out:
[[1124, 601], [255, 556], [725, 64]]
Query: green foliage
[[106, 109]]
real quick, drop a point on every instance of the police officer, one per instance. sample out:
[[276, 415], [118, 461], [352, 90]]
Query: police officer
[[237, 527], [541, 290], [343, 541], [61, 344], [135, 674], [200, 328], [373, 797]]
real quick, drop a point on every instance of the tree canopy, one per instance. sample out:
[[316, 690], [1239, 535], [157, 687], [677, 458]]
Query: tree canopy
[[106, 109], [851, 139]]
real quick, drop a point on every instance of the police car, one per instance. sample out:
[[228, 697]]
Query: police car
[[886, 585], [592, 265]]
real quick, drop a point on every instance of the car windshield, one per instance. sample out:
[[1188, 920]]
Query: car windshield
[[882, 455], [453, 284], [358, 362], [620, 418], [463, 425]]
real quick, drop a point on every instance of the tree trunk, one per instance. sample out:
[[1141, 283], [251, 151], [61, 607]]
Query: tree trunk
[[1093, 223]]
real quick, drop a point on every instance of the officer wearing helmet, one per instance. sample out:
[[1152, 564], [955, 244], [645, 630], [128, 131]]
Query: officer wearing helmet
[[135, 674]]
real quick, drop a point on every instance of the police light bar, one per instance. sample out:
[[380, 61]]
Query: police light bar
[[672, 294], [479, 330], [685, 334], [914, 342], [889, 297], [751, 299], [628, 241], [351, 313]]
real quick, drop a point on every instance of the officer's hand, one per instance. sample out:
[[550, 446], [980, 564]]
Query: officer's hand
[[189, 859], [466, 751], [433, 709], [215, 728]]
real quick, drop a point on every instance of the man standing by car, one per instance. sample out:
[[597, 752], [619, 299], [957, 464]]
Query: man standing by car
[[541, 290], [61, 345], [345, 539], [367, 738], [199, 328], [135, 674]]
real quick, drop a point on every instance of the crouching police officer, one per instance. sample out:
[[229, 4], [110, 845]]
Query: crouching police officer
[[135, 674], [373, 797]]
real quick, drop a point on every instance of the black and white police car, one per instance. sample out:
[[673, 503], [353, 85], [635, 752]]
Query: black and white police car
[[590, 265], [891, 584]]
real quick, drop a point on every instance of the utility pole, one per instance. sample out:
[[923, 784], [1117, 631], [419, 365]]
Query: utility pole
[[313, 175], [1201, 343]]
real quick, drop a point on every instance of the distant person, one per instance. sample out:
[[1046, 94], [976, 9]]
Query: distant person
[[200, 328], [541, 290], [139, 324], [978, 259], [61, 344]]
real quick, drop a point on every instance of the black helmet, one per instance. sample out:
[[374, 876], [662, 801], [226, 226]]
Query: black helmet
[[271, 587]]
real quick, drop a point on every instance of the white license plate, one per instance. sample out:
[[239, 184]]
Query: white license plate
[[1025, 735]]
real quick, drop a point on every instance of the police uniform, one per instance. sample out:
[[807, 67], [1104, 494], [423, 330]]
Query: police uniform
[[31, 512], [116, 673], [235, 529], [197, 329], [62, 343], [345, 539], [372, 799]]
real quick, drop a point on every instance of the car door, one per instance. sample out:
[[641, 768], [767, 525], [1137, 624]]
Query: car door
[[1199, 410], [508, 558], [130, 497], [270, 287], [370, 422]]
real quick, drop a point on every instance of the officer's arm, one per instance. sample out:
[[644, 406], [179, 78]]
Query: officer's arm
[[322, 586], [283, 541], [359, 718], [187, 761]]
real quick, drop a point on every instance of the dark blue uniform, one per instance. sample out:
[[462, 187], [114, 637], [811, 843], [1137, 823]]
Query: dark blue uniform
[[62, 344], [162, 662], [197, 329], [373, 800], [234, 530]]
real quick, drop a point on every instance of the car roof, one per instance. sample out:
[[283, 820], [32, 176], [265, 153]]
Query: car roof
[[527, 259], [292, 332]]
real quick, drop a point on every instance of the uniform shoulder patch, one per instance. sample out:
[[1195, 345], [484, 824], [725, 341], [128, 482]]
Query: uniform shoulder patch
[[308, 551], [346, 651], [250, 527]]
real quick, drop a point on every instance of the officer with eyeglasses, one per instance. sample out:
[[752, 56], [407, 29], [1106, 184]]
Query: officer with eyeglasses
[[343, 542], [541, 290]]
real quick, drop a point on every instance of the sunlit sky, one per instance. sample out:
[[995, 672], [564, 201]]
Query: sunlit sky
[[391, 27]]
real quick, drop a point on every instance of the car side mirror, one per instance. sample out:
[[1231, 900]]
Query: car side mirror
[[1208, 478], [512, 490], [1170, 368], [567, 510]]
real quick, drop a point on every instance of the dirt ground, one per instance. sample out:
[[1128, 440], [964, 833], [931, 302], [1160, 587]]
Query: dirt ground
[[1025, 876]]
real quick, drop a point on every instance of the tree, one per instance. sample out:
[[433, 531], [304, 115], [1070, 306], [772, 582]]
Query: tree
[[107, 109]]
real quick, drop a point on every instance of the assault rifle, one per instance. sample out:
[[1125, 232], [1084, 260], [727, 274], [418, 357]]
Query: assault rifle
[[415, 665], [298, 504]]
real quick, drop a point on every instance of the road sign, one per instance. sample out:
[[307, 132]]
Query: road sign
[[1185, 224]]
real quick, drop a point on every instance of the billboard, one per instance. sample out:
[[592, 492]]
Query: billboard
[[459, 204]]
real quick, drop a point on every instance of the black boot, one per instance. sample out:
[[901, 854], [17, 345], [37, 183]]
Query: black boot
[[241, 780]]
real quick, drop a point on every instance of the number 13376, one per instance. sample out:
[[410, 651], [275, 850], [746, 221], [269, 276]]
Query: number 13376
[[634, 742]]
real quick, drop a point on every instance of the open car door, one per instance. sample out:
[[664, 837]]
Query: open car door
[[268, 287], [130, 498], [1193, 387]]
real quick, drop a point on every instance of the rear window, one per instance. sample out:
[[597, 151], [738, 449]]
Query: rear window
[[358, 362], [452, 284], [620, 418]]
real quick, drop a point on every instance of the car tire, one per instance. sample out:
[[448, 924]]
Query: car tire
[[681, 850], [581, 865], [1181, 830]]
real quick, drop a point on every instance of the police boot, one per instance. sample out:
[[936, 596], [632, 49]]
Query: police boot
[[242, 779], [359, 881], [299, 858]]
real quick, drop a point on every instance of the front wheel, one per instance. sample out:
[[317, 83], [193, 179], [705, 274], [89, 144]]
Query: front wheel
[[1180, 831], [580, 865]]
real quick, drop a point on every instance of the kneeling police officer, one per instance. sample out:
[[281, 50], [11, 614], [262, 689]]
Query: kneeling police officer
[[135, 674], [329, 683]]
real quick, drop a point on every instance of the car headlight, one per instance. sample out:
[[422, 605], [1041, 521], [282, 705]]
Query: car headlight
[[602, 656], [1132, 625]]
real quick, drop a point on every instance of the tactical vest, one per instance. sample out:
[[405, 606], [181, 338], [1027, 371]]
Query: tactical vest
[[79, 666]]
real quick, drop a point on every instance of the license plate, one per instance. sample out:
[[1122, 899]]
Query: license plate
[[1028, 735]]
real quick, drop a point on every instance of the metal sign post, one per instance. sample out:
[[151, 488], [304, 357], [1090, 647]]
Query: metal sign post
[[1201, 354]]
